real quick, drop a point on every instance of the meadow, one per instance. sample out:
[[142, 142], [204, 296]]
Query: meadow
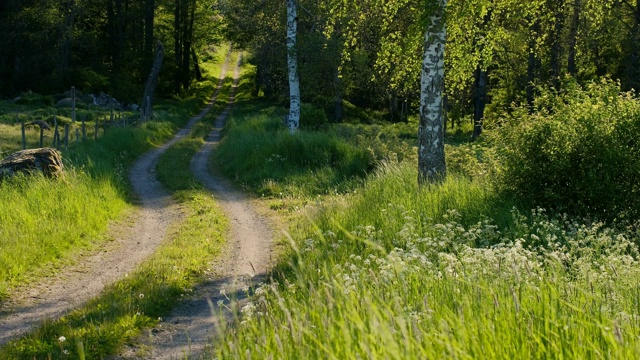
[[378, 267], [373, 266]]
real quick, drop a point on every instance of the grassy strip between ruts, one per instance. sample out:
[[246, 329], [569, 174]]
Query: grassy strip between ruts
[[118, 315]]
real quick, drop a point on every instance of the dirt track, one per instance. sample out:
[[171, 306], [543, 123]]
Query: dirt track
[[191, 323], [190, 328]]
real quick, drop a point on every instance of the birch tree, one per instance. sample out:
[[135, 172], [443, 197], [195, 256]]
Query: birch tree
[[293, 119], [431, 163]]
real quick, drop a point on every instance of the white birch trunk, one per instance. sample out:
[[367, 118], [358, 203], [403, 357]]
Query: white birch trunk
[[431, 163], [293, 119]]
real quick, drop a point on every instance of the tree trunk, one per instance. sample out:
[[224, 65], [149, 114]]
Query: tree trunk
[[479, 100], [556, 46], [480, 82], [152, 81], [532, 64], [338, 106], [431, 162], [177, 41], [65, 49], [186, 42], [632, 67], [119, 31], [149, 15], [196, 64], [293, 119], [573, 36]]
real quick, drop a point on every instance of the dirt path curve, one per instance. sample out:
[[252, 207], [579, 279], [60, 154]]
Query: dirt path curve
[[191, 327], [75, 285]]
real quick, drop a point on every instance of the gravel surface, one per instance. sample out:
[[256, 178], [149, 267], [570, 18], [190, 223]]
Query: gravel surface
[[70, 288], [188, 331]]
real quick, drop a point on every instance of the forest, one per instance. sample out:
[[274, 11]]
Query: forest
[[321, 179]]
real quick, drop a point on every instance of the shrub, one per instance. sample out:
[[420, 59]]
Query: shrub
[[31, 98], [578, 153], [312, 118]]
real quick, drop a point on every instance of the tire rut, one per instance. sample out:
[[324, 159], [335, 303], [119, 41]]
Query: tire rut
[[76, 284], [188, 332]]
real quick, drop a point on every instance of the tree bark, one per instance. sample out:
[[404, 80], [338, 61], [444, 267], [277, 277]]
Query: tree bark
[[573, 36], [632, 72], [149, 16], [480, 83], [556, 46], [293, 119], [338, 106], [186, 42], [431, 161], [152, 81], [177, 41], [479, 100], [196, 64], [532, 64], [65, 49]]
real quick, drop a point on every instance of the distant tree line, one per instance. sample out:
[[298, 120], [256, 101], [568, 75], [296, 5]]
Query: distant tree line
[[499, 52], [102, 45]]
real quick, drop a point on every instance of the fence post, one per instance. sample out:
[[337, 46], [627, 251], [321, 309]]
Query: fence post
[[84, 129], [24, 136], [41, 136], [66, 136], [55, 132], [73, 104]]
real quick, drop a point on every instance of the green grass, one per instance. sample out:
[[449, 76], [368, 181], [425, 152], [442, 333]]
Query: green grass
[[46, 223], [393, 272], [260, 153], [383, 269], [139, 301]]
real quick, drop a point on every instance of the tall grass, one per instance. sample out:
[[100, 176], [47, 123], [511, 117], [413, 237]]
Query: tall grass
[[46, 223], [404, 276], [259, 152], [388, 270], [115, 318]]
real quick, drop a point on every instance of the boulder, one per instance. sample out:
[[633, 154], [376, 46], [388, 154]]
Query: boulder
[[65, 103], [44, 160], [106, 101]]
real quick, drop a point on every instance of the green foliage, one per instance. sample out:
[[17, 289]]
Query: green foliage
[[577, 153], [31, 98], [392, 272], [89, 80], [312, 117]]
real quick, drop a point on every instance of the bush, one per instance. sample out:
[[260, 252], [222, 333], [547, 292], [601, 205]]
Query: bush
[[31, 98], [579, 153], [312, 118]]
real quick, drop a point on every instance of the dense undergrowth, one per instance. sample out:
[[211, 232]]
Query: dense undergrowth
[[464, 269], [578, 153]]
